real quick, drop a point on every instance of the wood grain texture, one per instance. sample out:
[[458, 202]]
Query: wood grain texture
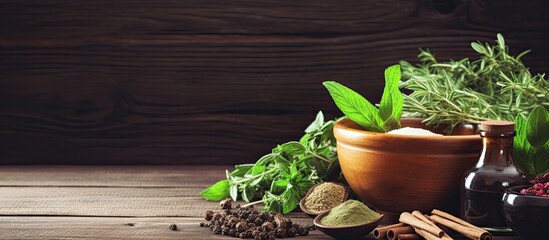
[[114, 228], [213, 82], [112, 176], [30, 195]]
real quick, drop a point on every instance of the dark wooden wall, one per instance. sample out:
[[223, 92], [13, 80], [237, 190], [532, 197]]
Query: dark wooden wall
[[214, 82]]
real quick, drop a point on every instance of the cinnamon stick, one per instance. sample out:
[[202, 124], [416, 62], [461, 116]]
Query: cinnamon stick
[[393, 233], [475, 233], [381, 232], [409, 236], [454, 218], [422, 217], [484, 235], [426, 235], [411, 220]]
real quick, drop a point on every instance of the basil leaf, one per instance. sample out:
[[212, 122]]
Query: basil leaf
[[540, 161], [217, 192], [537, 130], [392, 99], [355, 106]]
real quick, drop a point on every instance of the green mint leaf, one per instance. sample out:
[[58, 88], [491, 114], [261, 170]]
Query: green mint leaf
[[316, 124], [355, 106], [256, 181], [305, 139], [390, 124], [217, 192], [233, 191], [282, 160], [248, 194], [294, 148], [258, 168], [241, 170], [392, 99], [293, 169], [537, 127], [522, 148], [284, 171], [290, 200], [278, 186]]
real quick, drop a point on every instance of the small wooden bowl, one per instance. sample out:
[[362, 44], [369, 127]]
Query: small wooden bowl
[[346, 232], [313, 214]]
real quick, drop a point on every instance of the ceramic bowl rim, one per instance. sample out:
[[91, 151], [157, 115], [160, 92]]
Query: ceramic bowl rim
[[342, 126], [513, 191]]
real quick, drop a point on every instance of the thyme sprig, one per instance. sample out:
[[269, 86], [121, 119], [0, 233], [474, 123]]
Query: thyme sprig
[[495, 86]]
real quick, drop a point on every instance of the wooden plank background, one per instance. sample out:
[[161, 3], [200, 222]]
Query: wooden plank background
[[214, 82]]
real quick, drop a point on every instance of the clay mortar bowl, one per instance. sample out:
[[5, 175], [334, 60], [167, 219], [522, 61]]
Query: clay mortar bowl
[[397, 173]]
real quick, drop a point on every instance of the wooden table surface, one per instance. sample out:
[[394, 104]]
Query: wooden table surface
[[110, 202]]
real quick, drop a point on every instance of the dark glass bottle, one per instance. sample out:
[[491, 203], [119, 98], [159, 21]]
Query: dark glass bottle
[[494, 172]]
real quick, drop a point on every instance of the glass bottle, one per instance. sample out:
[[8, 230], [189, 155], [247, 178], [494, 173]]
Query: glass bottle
[[494, 172]]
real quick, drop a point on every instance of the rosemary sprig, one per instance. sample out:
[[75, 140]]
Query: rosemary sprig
[[495, 86]]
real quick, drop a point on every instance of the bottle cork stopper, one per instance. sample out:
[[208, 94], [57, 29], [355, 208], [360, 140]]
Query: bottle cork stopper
[[497, 126]]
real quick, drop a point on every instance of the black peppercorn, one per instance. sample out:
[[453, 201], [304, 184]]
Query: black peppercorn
[[281, 233], [241, 227], [208, 215], [226, 204], [173, 227], [267, 226], [217, 216], [291, 232], [202, 224], [217, 230], [305, 232]]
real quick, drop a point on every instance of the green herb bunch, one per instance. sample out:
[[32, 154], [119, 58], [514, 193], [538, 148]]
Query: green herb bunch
[[365, 114], [495, 86], [531, 143], [281, 178]]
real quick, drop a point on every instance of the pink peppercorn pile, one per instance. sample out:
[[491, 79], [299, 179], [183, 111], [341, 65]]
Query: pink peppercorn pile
[[540, 187]]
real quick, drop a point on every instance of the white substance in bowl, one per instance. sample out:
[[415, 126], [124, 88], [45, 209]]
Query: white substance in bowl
[[413, 131]]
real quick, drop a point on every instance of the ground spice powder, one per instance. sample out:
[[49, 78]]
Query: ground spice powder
[[324, 197], [351, 212]]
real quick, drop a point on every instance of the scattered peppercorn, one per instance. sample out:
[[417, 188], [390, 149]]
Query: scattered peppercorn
[[226, 204], [173, 227], [208, 215], [250, 223]]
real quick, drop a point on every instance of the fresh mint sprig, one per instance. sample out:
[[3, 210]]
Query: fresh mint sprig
[[365, 114], [281, 178]]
